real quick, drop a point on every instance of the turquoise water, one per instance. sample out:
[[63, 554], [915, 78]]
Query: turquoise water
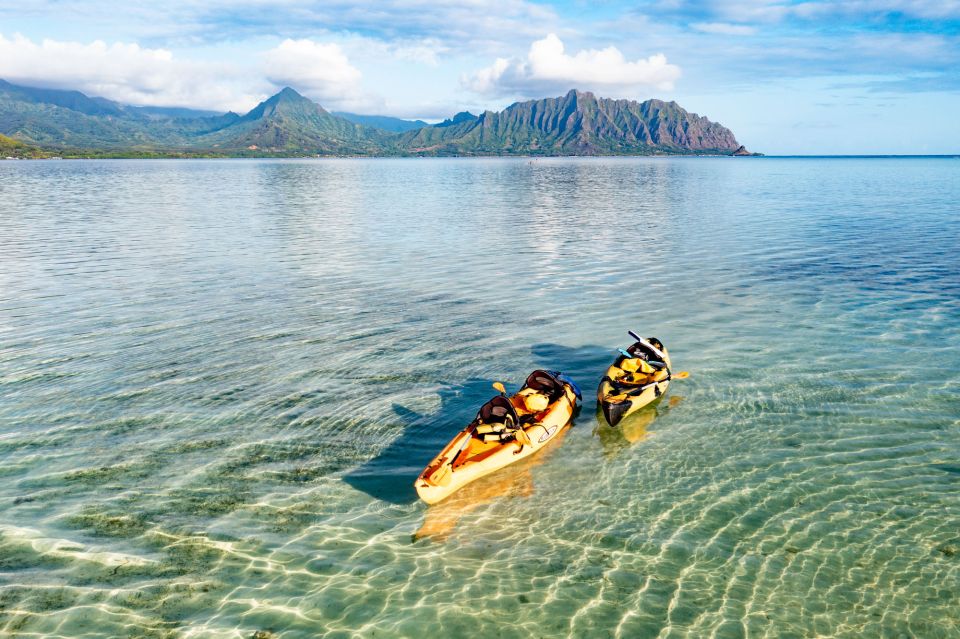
[[219, 379]]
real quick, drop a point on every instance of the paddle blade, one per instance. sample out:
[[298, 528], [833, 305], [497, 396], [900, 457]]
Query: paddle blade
[[523, 438], [680, 375], [498, 386]]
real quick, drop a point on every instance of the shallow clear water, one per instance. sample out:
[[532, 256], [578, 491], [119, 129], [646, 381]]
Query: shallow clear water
[[219, 379]]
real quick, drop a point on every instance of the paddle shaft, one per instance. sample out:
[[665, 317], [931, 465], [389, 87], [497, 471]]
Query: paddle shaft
[[656, 351]]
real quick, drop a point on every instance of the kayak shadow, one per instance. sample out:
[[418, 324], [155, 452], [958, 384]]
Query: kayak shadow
[[585, 365], [389, 476]]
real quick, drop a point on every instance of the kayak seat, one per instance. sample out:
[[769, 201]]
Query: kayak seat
[[484, 429], [496, 421], [498, 410], [546, 383], [641, 351]]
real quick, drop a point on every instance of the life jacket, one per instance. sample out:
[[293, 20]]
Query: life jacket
[[532, 400], [637, 365]]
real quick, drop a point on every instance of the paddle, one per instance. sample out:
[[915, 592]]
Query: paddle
[[656, 351]]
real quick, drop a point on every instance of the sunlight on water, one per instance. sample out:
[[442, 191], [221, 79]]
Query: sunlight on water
[[219, 379]]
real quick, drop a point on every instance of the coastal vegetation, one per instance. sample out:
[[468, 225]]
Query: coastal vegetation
[[10, 148], [48, 122]]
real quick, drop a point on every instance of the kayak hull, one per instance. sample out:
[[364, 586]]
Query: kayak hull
[[617, 406], [440, 479]]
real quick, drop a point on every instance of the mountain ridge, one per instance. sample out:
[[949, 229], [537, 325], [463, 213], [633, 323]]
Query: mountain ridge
[[385, 122], [579, 123], [289, 124]]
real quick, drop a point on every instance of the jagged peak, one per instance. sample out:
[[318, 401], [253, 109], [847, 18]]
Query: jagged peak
[[577, 93], [289, 93], [286, 100], [463, 116]]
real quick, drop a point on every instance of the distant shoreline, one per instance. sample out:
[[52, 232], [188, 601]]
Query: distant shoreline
[[946, 156]]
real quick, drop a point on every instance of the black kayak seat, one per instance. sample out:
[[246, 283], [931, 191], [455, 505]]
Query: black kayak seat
[[641, 350], [546, 383], [498, 410]]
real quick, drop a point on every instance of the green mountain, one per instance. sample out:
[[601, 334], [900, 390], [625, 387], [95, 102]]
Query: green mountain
[[288, 124], [578, 123], [63, 120], [73, 100], [160, 113], [385, 122]]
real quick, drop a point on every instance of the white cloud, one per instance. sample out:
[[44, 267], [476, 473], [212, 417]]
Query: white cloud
[[724, 28], [132, 74], [475, 24], [756, 10], [548, 68], [320, 71], [777, 10], [123, 72], [424, 51], [922, 9]]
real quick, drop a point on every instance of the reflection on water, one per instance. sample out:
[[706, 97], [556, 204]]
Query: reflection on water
[[513, 481], [635, 427], [219, 380]]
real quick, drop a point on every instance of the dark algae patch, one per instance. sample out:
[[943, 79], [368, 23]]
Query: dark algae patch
[[109, 524], [105, 474], [948, 550]]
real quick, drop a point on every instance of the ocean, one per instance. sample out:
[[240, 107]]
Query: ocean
[[220, 378]]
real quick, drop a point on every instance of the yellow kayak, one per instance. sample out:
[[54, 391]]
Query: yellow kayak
[[639, 376], [505, 430]]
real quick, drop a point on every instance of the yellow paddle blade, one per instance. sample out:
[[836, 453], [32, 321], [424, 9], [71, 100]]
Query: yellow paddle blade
[[523, 438], [498, 386], [440, 476], [681, 375]]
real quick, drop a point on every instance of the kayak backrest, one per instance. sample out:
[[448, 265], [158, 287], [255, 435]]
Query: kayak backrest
[[643, 351], [498, 410], [546, 383]]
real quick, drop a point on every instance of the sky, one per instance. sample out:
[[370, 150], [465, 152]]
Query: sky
[[807, 77]]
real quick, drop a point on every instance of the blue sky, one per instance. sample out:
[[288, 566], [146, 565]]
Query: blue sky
[[850, 76]]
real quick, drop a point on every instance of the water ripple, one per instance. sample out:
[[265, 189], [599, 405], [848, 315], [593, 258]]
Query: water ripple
[[218, 380]]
